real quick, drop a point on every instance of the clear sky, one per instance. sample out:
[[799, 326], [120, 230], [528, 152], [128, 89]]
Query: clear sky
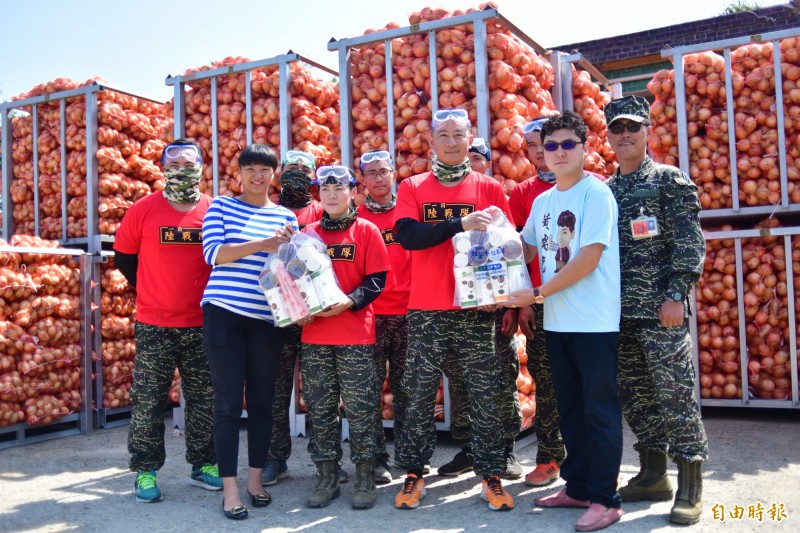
[[135, 45]]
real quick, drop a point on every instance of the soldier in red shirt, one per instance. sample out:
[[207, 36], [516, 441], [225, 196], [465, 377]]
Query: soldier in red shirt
[[391, 307], [480, 157], [159, 251], [338, 344], [431, 209]]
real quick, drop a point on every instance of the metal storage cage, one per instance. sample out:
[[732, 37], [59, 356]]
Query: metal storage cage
[[283, 63], [94, 240], [561, 90], [749, 397], [77, 422], [677, 56]]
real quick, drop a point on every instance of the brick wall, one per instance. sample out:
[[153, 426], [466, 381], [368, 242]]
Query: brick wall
[[650, 42]]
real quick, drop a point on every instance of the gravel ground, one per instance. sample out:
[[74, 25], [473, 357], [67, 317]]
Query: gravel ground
[[81, 483]]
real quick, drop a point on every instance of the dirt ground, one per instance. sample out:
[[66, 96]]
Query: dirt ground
[[82, 483]]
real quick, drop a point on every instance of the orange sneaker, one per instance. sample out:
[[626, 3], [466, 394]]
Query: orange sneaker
[[493, 492], [413, 491], [543, 474]]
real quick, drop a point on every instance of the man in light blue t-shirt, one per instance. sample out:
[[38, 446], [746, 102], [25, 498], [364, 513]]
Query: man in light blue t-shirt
[[572, 234]]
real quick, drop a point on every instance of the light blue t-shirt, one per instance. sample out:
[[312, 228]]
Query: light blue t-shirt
[[560, 224]]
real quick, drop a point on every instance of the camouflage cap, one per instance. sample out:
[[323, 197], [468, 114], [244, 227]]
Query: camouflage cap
[[633, 108]]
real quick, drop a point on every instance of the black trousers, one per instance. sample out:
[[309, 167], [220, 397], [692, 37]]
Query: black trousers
[[241, 351]]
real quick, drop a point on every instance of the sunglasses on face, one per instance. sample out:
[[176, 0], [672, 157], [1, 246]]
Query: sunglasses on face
[[618, 127], [534, 125], [552, 146], [298, 157], [337, 174]]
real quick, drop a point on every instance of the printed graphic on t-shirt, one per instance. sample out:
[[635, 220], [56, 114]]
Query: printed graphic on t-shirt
[[442, 211], [181, 235], [388, 236], [342, 252], [558, 243]]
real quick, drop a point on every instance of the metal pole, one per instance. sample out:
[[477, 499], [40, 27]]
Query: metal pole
[[285, 106], [86, 265], [482, 79], [62, 116], [346, 108], [35, 111], [214, 137], [390, 119], [731, 130], [680, 105], [776, 57], [248, 105], [435, 70], [179, 109], [742, 324], [555, 90], [7, 208], [790, 296], [92, 195]]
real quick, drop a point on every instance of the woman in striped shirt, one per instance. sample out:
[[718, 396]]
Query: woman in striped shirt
[[242, 344]]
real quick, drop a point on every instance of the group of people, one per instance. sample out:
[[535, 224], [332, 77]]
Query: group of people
[[612, 265]]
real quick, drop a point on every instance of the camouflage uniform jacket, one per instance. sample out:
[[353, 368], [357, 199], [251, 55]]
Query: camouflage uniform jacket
[[655, 267]]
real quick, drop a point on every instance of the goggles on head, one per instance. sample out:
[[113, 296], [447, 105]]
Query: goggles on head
[[335, 175], [377, 155], [459, 115], [299, 157], [479, 146], [534, 125], [174, 151]]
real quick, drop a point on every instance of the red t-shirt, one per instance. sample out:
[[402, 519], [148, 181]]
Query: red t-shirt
[[355, 253], [394, 298], [520, 202], [424, 199], [172, 273], [309, 214]]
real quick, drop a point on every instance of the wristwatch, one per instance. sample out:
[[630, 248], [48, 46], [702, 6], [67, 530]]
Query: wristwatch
[[537, 298], [676, 296]]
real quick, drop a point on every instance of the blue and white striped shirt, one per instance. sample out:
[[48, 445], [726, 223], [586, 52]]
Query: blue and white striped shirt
[[234, 286]]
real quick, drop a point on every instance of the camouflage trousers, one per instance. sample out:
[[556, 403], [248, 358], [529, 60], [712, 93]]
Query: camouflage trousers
[[280, 447], [331, 372], [392, 335], [508, 408], [656, 387], [158, 351], [460, 344], [550, 446]]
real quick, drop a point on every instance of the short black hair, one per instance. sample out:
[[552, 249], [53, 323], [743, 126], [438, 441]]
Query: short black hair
[[567, 218], [568, 120], [258, 154]]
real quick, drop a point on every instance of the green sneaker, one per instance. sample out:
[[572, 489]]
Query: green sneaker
[[207, 477], [145, 488]]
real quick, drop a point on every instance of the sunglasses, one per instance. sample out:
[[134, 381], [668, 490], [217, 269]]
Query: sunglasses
[[337, 174], [618, 127], [569, 144], [299, 157], [534, 125]]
